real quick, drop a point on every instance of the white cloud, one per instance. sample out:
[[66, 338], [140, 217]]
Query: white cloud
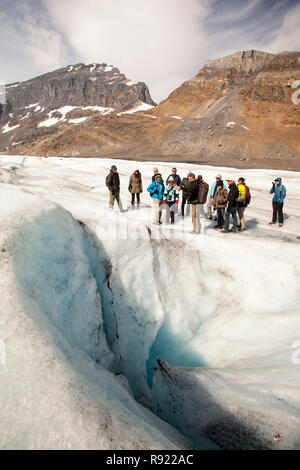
[[287, 37], [28, 44], [153, 41]]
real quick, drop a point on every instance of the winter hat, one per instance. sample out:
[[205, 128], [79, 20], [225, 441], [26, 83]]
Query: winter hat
[[158, 176], [230, 179], [200, 177], [191, 175], [278, 179], [113, 167], [242, 179], [219, 176], [171, 178]]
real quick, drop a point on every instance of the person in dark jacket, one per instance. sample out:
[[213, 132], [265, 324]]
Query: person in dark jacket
[[211, 195], [193, 200], [155, 174], [220, 202], [185, 187], [176, 178], [203, 189], [113, 184], [279, 192], [135, 186], [231, 210]]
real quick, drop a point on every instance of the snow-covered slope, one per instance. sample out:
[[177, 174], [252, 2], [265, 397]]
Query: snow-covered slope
[[91, 298]]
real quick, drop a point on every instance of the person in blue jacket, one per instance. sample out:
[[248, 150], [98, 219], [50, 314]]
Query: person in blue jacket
[[279, 192], [175, 177], [156, 190]]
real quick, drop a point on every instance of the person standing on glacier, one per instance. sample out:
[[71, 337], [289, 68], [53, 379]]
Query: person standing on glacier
[[176, 178], [203, 189], [193, 200], [155, 174], [211, 195], [156, 190], [185, 187], [243, 201], [170, 200], [135, 187], [113, 184], [279, 192], [231, 207]]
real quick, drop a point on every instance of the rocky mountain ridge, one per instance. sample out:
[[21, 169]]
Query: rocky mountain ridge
[[238, 110]]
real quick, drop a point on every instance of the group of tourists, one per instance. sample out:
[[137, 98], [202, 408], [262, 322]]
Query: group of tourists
[[224, 200]]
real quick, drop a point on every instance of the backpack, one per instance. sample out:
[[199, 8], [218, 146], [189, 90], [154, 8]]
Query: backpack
[[248, 195], [202, 193], [107, 180], [241, 199]]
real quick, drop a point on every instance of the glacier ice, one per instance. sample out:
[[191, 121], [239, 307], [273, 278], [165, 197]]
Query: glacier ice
[[88, 310]]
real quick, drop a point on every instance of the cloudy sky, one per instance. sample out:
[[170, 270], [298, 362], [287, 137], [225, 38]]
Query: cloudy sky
[[160, 42]]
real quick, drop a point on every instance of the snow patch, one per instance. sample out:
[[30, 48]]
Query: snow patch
[[101, 109], [6, 128], [31, 106], [140, 107], [230, 124], [26, 116], [54, 120], [12, 86], [77, 120]]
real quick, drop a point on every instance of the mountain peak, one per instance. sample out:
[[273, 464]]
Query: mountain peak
[[245, 61]]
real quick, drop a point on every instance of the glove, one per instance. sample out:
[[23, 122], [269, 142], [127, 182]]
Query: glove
[[129, 188]]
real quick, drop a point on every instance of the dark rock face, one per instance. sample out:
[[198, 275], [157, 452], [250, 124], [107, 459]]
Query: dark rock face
[[77, 85]]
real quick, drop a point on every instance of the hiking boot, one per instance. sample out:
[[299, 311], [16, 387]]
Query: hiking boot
[[208, 217], [272, 223], [224, 230], [218, 226], [280, 225], [242, 229]]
